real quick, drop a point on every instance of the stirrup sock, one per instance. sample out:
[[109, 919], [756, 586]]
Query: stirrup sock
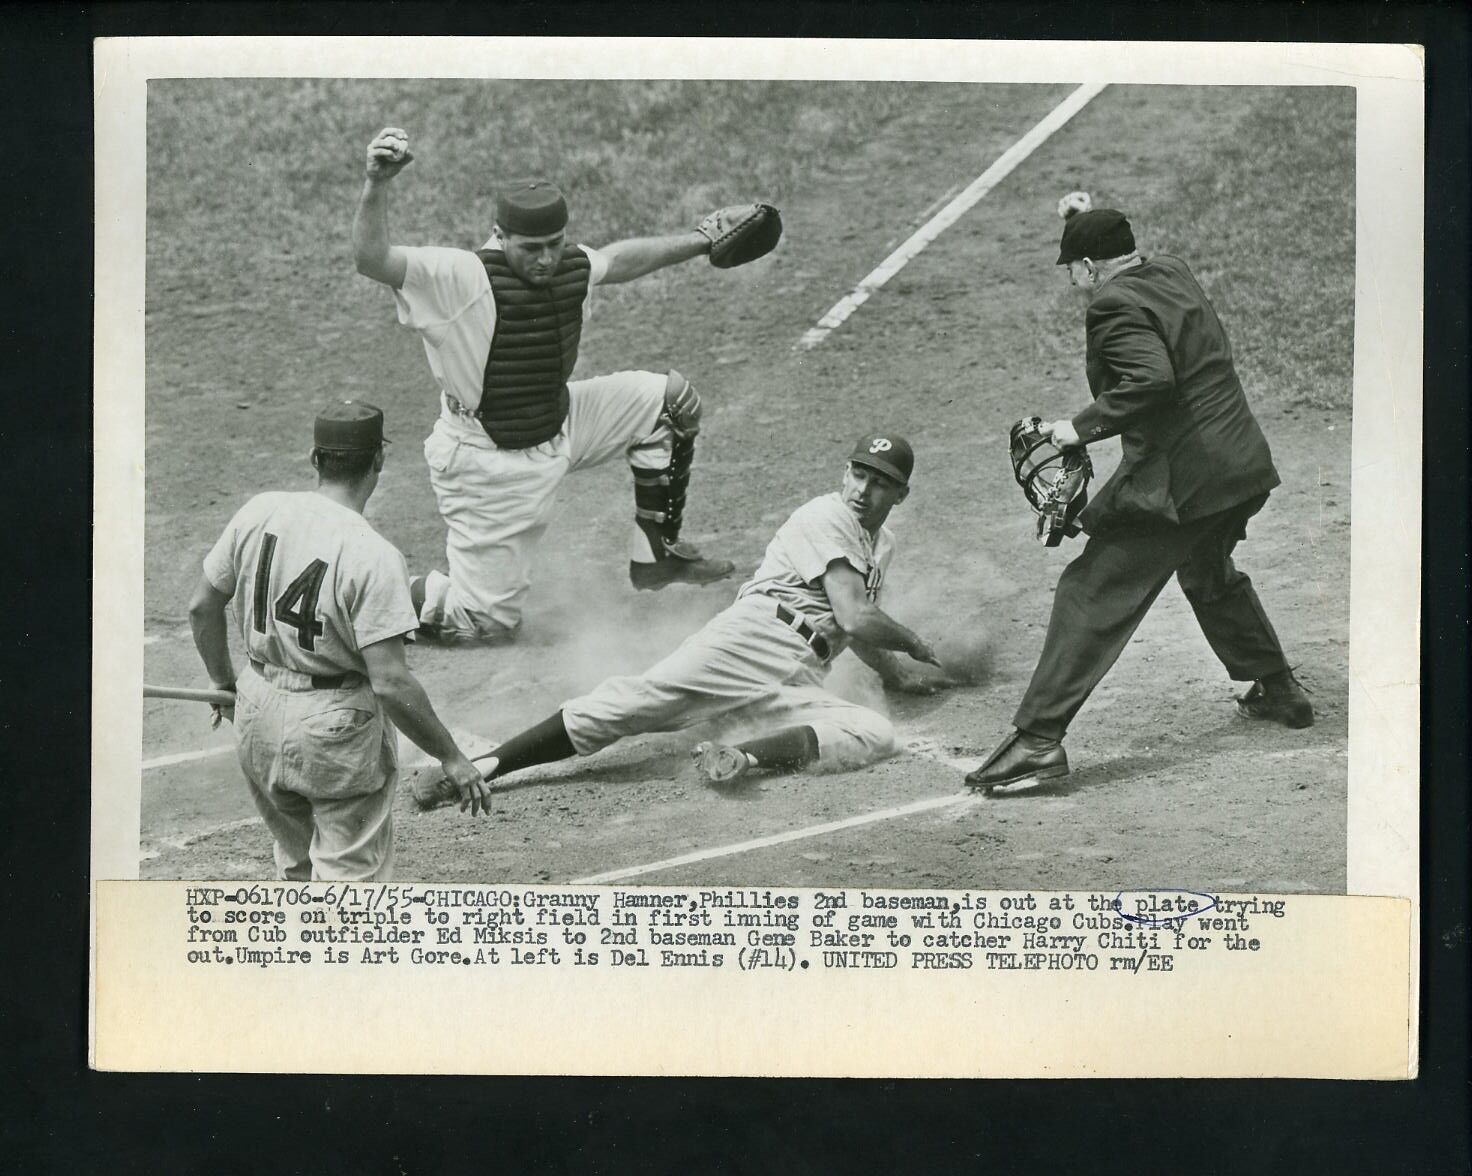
[[784, 751], [545, 743]]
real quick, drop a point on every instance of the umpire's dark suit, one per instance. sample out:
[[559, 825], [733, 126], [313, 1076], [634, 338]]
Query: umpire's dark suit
[[1195, 468]]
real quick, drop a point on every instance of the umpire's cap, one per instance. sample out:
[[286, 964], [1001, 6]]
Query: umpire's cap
[[533, 208], [888, 453], [1098, 234], [350, 426]]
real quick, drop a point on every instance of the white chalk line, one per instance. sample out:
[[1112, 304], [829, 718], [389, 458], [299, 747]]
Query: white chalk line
[[184, 757], [189, 839], [923, 748], [417, 759], [719, 851], [950, 214]]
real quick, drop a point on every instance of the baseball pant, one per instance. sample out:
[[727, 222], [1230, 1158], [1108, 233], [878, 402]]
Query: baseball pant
[[496, 503], [322, 766], [744, 666], [1104, 594]]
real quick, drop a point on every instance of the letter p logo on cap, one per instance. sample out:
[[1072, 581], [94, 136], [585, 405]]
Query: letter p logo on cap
[[887, 453]]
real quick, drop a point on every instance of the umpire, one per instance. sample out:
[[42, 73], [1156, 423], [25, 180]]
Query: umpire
[[1195, 468]]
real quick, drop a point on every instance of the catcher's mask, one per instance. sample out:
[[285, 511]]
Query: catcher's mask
[[1055, 480]]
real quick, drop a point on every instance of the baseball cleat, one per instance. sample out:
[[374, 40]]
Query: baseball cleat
[[1020, 757], [1283, 701], [718, 763], [432, 792], [681, 563], [454, 639]]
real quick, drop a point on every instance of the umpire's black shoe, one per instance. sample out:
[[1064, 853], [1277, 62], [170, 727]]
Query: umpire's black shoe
[[1279, 698], [1020, 756], [678, 563]]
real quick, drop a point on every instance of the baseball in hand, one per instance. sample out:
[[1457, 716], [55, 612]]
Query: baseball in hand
[[389, 152], [1075, 203]]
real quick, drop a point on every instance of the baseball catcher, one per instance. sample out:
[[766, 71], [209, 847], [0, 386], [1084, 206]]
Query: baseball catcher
[[501, 328]]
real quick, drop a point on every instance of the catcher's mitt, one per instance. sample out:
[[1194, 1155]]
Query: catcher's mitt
[[1055, 480], [741, 233]]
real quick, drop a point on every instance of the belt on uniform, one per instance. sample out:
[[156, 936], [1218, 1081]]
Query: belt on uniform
[[816, 641], [459, 409], [319, 681]]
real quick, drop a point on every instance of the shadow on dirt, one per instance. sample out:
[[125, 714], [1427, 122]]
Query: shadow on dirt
[[1225, 738]]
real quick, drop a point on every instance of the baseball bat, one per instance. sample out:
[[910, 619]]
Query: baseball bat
[[184, 693]]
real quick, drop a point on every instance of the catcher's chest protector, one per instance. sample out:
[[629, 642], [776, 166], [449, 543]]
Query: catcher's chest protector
[[524, 395]]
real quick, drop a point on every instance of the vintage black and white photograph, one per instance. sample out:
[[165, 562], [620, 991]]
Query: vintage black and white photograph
[[927, 485]]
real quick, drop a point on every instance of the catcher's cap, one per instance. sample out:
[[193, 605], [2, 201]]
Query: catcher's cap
[[1098, 234], [886, 452], [534, 208], [349, 426]]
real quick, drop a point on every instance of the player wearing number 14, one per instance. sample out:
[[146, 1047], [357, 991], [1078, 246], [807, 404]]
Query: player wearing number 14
[[324, 607]]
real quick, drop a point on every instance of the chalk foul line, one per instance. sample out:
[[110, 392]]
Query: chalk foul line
[[719, 851], [413, 758], [950, 214], [184, 757], [923, 748]]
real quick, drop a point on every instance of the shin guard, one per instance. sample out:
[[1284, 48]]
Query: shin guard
[[659, 495]]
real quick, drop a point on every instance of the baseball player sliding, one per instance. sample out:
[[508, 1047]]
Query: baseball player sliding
[[323, 603], [500, 328], [762, 661]]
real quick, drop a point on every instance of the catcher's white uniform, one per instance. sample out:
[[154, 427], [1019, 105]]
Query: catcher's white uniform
[[496, 502], [750, 666], [312, 584]]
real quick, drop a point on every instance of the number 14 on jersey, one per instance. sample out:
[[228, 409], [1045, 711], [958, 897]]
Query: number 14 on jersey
[[297, 606]]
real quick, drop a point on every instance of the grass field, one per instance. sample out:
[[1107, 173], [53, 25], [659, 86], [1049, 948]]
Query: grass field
[[254, 317]]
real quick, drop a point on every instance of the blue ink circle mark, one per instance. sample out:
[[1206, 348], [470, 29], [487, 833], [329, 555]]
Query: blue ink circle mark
[[1173, 910]]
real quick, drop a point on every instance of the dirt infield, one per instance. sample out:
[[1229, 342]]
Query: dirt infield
[[254, 316]]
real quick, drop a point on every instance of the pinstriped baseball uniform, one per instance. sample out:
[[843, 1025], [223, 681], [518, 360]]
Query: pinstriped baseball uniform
[[312, 584], [747, 665]]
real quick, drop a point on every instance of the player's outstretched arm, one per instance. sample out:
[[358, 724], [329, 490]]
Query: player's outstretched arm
[[406, 703], [895, 676], [865, 621], [638, 256], [375, 255]]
